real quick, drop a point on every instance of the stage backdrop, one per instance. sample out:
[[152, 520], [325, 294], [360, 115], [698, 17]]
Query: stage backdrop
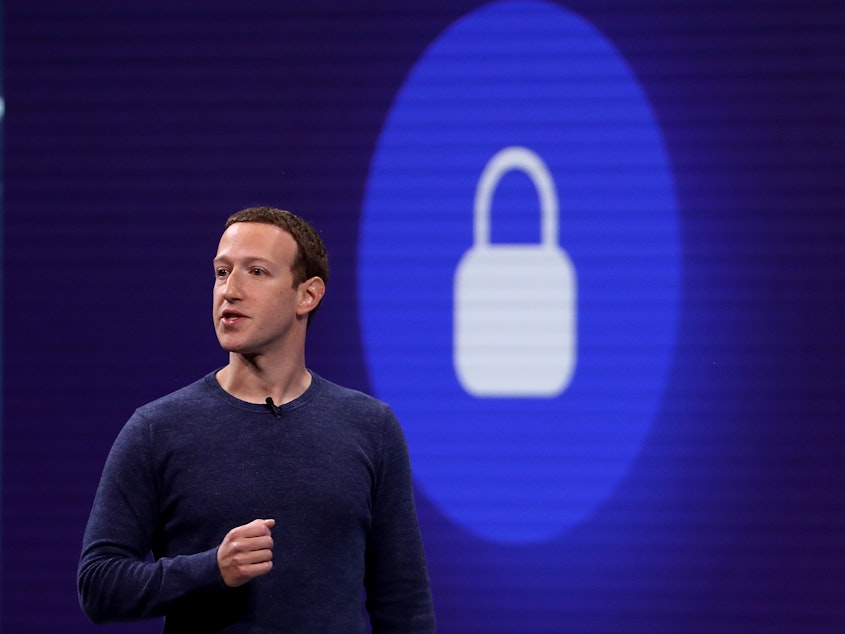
[[592, 253]]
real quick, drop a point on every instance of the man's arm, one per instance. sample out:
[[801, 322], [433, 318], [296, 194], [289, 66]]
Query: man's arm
[[397, 583], [117, 581], [116, 578]]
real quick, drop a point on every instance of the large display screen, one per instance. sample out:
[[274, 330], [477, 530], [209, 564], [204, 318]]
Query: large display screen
[[591, 253]]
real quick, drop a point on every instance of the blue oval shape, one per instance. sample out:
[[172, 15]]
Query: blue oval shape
[[527, 74]]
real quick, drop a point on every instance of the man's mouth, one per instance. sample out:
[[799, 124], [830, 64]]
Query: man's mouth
[[231, 316]]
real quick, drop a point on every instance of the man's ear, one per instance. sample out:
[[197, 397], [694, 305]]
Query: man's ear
[[310, 293]]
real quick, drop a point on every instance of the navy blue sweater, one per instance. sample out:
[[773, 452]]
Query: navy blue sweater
[[332, 470]]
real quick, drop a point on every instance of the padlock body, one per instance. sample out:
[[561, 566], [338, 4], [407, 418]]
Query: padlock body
[[515, 331]]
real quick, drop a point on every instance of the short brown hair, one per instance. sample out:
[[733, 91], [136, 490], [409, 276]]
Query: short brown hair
[[311, 258]]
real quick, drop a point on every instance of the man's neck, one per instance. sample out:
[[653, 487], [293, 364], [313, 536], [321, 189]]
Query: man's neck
[[253, 380]]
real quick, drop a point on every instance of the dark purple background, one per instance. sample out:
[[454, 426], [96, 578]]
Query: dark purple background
[[133, 129]]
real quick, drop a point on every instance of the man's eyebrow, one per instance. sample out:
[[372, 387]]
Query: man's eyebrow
[[255, 259]]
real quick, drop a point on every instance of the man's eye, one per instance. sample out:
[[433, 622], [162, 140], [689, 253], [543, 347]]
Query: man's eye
[[220, 272], [257, 272]]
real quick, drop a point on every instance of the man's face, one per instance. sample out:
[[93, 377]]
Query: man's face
[[255, 306]]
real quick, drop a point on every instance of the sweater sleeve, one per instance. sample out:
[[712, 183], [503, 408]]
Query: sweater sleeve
[[117, 578], [396, 579]]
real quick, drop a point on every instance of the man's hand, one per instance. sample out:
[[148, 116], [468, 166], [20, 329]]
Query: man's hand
[[246, 552]]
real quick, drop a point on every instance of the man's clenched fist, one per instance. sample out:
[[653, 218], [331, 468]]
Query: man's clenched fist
[[246, 552]]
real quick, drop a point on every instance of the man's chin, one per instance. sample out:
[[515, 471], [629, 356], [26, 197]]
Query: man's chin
[[232, 346], [240, 350]]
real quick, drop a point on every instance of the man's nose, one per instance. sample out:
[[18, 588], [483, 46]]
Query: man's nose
[[232, 287]]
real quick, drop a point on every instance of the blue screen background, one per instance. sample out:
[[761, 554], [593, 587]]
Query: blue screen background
[[521, 74]]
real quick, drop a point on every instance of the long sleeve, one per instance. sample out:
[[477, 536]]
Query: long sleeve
[[397, 583], [117, 579], [333, 472]]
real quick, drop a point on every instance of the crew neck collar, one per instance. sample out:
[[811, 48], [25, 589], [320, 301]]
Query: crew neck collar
[[299, 401]]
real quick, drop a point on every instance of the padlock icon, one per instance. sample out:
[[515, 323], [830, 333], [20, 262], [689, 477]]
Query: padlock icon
[[515, 330]]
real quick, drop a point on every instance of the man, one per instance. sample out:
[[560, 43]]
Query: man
[[270, 499]]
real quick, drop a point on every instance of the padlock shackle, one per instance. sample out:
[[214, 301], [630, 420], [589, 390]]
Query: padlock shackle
[[504, 161]]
